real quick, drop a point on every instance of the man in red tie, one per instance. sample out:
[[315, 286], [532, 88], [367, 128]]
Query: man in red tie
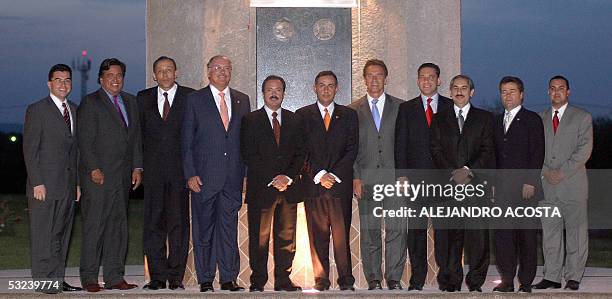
[[166, 200], [413, 158], [271, 144], [568, 131]]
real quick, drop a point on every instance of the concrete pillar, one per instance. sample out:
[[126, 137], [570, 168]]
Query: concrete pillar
[[403, 33]]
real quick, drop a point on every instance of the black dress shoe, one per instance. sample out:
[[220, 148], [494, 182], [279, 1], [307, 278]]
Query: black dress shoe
[[572, 285], [288, 287], [231, 286], [503, 288], [394, 285], [155, 285], [206, 287], [475, 289], [524, 289], [414, 287], [321, 287], [347, 287], [374, 285], [256, 288], [175, 284], [68, 288], [547, 284]]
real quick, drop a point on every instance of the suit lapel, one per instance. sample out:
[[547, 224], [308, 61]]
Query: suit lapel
[[384, 120], [235, 106], [364, 109], [58, 116], [209, 100], [106, 102], [266, 128]]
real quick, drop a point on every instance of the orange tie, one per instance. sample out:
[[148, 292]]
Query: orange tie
[[223, 108], [326, 119]]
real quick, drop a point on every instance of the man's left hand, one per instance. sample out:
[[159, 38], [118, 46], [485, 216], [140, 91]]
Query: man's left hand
[[461, 175], [280, 182], [528, 191], [136, 178]]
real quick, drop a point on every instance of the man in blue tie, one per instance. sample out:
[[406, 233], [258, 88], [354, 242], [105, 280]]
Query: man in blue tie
[[377, 113]]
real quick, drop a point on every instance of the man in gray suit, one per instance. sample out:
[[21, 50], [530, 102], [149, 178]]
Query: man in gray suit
[[50, 154], [110, 161], [375, 164], [569, 140]]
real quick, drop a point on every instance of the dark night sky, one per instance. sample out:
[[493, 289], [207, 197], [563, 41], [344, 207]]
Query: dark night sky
[[530, 39]]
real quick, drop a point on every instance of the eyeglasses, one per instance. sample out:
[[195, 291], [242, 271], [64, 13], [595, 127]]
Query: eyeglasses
[[218, 68], [64, 81]]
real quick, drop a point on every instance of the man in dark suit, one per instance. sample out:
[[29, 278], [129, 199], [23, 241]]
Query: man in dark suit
[[377, 113], [271, 143], [519, 151], [111, 160], [50, 154], [413, 158], [462, 146], [331, 136], [215, 172], [568, 132], [166, 201]]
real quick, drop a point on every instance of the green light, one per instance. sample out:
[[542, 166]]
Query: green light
[[13, 138]]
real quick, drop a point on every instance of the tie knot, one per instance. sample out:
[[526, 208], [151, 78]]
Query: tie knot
[[64, 105], [556, 112], [325, 109], [274, 114], [429, 101], [166, 94], [222, 94], [374, 101]]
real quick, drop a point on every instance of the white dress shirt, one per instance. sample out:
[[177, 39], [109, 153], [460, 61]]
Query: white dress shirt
[[58, 103], [434, 102], [228, 100], [161, 99]]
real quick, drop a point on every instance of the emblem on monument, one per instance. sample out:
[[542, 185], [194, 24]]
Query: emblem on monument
[[283, 30], [324, 29]]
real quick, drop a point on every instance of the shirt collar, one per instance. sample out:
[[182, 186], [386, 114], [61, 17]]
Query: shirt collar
[[270, 111], [514, 111], [57, 101], [171, 92], [380, 99], [464, 110], [330, 108], [561, 111], [216, 92]]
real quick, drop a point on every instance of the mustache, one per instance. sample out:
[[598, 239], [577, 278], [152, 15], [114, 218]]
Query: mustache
[[273, 98]]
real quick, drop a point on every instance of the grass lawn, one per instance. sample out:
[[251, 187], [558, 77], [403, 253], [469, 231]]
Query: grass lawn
[[15, 248]]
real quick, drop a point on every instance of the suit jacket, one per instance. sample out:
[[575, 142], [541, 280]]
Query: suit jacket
[[519, 154], [334, 150], [474, 147], [50, 150], [376, 155], [105, 142], [209, 151], [162, 139], [568, 150], [265, 159], [412, 144]]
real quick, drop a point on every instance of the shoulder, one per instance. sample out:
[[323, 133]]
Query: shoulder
[[184, 89], [394, 100], [127, 96], [355, 105], [237, 93], [146, 92], [411, 104], [578, 111], [306, 109]]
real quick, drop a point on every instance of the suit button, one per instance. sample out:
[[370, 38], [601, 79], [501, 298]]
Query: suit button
[[380, 152], [225, 154], [377, 166], [68, 168], [505, 139], [554, 157]]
